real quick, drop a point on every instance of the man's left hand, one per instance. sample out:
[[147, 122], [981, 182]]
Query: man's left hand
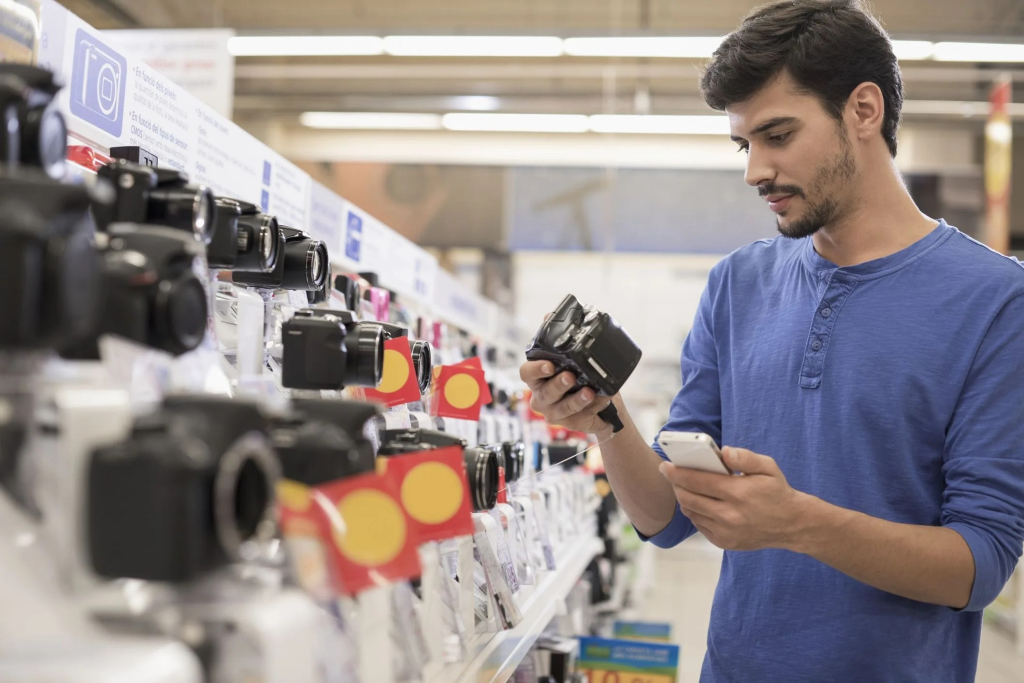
[[757, 510]]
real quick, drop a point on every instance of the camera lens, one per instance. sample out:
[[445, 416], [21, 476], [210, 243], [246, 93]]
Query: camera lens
[[482, 474], [185, 317], [305, 262], [364, 363], [423, 363], [512, 462], [267, 241], [44, 140]]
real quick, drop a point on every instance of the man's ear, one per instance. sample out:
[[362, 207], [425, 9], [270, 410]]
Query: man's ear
[[865, 111]]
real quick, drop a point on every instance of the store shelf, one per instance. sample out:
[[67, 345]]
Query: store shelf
[[495, 656]]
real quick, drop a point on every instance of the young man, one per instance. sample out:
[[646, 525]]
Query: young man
[[866, 370]]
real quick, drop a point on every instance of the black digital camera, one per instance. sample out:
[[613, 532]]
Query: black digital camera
[[49, 269], [244, 239], [151, 294], [302, 265], [319, 441], [323, 292], [592, 346], [156, 196], [514, 454], [482, 462], [191, 489], [325, 349], [349, 289], [34, 130], [420, 351]]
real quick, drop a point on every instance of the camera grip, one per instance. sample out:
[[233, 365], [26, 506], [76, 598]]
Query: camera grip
[[611, 416]]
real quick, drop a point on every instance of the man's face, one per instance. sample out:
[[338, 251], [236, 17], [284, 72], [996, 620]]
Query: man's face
[[798, 156]]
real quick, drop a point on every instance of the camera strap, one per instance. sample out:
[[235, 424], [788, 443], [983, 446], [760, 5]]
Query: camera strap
[[555, 464]]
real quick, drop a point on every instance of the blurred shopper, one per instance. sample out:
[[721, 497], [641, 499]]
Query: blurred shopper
[[874, 353]]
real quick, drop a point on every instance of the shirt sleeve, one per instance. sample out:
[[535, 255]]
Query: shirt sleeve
[[698, 405], [984, 457]]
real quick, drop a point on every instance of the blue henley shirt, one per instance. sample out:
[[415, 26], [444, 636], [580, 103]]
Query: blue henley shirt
[[894, 387]]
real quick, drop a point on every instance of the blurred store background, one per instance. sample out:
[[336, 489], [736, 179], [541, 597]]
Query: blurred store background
[[544, 147]]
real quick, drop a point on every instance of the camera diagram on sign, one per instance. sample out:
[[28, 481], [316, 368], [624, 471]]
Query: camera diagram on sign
[[98, 84]]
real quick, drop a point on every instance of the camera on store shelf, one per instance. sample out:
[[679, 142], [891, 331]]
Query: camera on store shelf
[[156, 196], [244, 238], [592, 346], [514, 454], [325, 349], [191, 489], [482, 462], [350, 291], [48, 260], [150, 291], [35, 133], [319, 441], [302, 265], [323, 292]]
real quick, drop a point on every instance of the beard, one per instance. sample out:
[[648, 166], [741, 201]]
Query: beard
[[822, 207]]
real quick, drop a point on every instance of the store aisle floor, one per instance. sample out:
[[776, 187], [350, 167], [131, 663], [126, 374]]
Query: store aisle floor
[[683, 585]]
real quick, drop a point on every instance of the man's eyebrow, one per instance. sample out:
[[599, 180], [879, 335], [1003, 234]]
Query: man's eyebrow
[[768, 125]]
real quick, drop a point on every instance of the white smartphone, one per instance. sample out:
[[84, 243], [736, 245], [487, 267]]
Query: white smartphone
[[694, 450]]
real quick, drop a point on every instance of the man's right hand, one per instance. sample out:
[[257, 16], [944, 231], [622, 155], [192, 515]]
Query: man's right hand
[[576, 411]]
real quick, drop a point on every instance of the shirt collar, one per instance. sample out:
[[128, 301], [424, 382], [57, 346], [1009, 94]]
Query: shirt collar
[[813, 260]]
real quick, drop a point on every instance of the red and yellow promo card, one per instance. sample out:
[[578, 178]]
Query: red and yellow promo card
[[369, 534], [398, 385], [303, 534], [478, 364], [458, 392], [433, 490]]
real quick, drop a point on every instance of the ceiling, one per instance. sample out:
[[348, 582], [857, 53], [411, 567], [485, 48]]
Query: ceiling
[[281, 88]]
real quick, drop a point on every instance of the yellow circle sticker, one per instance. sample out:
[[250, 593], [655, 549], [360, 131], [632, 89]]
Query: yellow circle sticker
[[431, 493], [293, 495], [461, 391], [396, 372], [374, 531]]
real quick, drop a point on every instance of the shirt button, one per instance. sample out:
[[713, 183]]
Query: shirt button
[[816, 345], [826, 312]]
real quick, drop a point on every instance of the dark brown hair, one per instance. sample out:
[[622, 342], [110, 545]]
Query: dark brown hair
[[828, 47]]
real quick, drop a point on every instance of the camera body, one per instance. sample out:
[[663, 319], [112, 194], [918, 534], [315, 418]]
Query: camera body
[[34, 130], [244, 239], [328, 350], [319, 441], [157, 196], [48, 262], [152, 294], [184, 493], [591, 345]]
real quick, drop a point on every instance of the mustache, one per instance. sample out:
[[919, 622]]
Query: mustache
[[765, 190]]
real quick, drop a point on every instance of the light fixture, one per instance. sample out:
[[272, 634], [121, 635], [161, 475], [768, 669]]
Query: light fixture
[[304, 46], [649, 46], [517, 123], [911, 50], [474, 102], [371, 120], [979, 52], [656, 124], [473, 46]]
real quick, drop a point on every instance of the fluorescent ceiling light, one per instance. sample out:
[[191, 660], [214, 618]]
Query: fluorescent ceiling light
[[979, 52], [474, 102], [304, 46], [371, 120], [518, 123], [663, 125], [642, 47], [473, 46], [913, 49]]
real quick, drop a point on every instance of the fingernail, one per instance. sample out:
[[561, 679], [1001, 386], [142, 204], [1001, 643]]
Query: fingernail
[[566, 381], [663, 468], [547, 369], [585, 397]]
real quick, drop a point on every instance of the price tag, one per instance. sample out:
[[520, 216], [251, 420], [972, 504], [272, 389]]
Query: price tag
[[540, 517], [397, 418], [505, 554], [297, 299]]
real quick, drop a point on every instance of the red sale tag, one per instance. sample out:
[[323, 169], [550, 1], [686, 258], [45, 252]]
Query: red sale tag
[[458, 392], [398, 384], [433, 490]]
